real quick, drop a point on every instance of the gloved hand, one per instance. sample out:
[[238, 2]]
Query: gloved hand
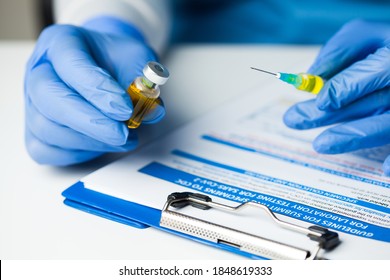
[[75, 91], [356, 64]]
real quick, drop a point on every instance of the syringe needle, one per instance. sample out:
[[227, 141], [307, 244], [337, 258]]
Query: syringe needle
[[264, 71], [302, 81]]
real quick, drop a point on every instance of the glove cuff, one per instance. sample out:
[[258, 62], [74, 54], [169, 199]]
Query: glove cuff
[[114, 26]]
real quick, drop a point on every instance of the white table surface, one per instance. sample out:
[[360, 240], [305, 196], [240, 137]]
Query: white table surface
[[34, 222]]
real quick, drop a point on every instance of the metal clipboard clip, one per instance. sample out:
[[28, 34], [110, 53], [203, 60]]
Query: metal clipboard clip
[[246, 242]]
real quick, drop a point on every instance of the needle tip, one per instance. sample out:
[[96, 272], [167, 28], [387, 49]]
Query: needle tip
[[254, 68]]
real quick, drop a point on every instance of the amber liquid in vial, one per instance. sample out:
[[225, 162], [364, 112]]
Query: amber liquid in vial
[[144, 100]]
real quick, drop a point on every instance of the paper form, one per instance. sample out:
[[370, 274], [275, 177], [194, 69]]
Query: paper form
[[243, 152]]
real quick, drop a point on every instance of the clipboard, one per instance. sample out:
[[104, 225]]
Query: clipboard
[[203, 231], [250, 156]]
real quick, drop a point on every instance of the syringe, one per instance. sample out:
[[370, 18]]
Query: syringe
[[302, 81]]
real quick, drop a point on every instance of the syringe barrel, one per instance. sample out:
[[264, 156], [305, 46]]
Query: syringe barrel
[[310, 83]]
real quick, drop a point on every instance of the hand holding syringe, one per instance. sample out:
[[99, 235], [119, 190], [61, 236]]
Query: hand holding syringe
[[355, 100], [301, 81]]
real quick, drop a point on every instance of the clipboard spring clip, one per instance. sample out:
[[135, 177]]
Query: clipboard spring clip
[[239, 240]]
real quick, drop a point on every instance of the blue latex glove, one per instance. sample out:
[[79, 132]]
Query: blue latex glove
[[75, 98], [356, 63]]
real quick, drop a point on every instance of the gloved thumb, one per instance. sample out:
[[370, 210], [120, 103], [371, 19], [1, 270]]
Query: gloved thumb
[[360, 79], [131, 62], [349, 45]]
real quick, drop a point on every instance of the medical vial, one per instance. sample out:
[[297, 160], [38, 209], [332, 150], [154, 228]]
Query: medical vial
[[144, 91]]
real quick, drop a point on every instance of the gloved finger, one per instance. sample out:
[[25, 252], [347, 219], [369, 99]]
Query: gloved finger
[[348, 45], [363, 133], [41, 46], [46, 154], [53, 134], [305, 115], [360, 79], [71, 58], [386, 166], [57, 102]]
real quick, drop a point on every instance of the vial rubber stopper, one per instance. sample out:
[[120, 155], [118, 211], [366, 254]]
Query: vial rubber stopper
[[156, 73]]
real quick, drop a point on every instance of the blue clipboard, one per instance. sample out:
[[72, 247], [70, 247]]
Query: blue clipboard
[[129, 213], [141, 216]]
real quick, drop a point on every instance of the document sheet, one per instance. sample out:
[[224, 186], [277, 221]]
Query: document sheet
[[243, 152]]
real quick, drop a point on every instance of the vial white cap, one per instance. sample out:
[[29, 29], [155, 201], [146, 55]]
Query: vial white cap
[[156, 73]]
